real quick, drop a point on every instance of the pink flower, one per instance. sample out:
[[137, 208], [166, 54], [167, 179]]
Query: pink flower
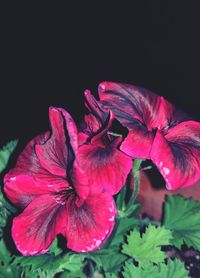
[[157, 131], [56, 194], [99, 153]]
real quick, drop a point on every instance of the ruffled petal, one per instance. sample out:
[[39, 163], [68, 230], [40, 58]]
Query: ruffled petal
[[92, 124], [130, 103], [90, 224], [177, 155], [53, 154], [107, 167], [97, 109], [138, 142], [71, 131], [21, 189], [36, 227], [28, 163]]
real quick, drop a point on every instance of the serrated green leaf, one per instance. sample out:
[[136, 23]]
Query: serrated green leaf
[[55, 249], [103, 259], [6, 152], [122, 226], [51, 265], [111, 275], [75, 274], [113, 246], [5, 210], [181, 216], [6, 268], [132, 271], [173, 269], [147, 249]]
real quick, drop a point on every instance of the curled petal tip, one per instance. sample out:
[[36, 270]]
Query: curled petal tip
[[104, 85], [87, 93]]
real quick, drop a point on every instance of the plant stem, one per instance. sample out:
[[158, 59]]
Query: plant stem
[[136, 174]]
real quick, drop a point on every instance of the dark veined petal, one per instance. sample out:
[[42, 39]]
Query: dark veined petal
[[138, 142], [36, 227], [177, 155], [92, 124], [21, 189], [97, 109], [107, 167], [53, 154], [130, 103], [28, 163], [71, 130], [90, 224]]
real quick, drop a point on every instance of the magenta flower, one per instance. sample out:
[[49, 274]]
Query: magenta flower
[[157, 131], [56, 194], [99, 153]]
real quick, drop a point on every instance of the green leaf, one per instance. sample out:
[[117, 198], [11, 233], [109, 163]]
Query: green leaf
[[122, 226], [111, 275], [174, 269], [147, 249], [130, 271], [120, 199], [103, 259], [181, 216], [6, 268], [5, 210], [55, 249], [51, 265], [112, 247], [6, 152]]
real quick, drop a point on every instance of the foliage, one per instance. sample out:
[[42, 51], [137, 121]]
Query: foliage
[[182, 218], [170, 270], [5, 153], [130, 251], [147, 248]]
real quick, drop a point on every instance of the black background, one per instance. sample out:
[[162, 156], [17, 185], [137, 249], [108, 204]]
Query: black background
[[51, 52]]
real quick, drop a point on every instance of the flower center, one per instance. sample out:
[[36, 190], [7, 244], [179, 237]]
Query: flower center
[[61, 196]]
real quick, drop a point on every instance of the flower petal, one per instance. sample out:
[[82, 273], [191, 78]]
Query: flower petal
[[53, 154], [35, 229], [90, 224], [96, 108], [138, 142], [107, 167], [28, 163], [71, 130], [177, 155], [130, 103], [91, 124], [21, 189]]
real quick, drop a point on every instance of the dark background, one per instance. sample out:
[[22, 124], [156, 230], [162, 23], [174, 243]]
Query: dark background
[[51, 53]]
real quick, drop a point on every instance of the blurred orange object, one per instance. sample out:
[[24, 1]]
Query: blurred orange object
[[152, 198]]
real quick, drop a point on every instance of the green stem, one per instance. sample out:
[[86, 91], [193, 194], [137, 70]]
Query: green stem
[[136, 174]]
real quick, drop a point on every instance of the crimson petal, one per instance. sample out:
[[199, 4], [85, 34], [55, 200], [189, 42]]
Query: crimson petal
[[96, 108], [129, 103], [53, 153], [177, 155], [22, 189], [107, 167], [36, 227], [138, 142], [28, 179], [90, 224], [28, 163]]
